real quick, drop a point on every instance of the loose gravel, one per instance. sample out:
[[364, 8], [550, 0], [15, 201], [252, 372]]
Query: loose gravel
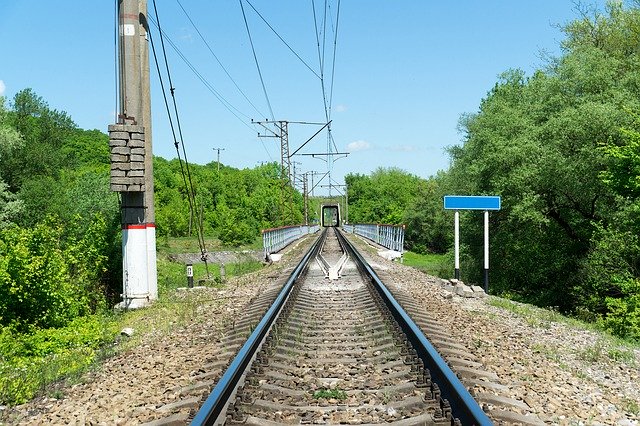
[[133, 387], [566, 374]]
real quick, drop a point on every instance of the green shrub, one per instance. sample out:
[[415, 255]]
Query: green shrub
[[29, 362], [623, 317], [609, 288], [35, 289], [47, 277]]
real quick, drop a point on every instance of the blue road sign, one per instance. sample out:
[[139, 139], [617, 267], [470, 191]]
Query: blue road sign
[[471, 202]]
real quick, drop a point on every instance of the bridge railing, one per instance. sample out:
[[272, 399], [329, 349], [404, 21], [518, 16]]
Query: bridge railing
[[276, 239], [389, 236]]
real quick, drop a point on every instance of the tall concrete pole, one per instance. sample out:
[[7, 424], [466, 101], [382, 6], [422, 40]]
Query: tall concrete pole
[[149, 199], [131, 157]]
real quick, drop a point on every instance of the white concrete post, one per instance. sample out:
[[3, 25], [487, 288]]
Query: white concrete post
[[486, 251], [456, 243]]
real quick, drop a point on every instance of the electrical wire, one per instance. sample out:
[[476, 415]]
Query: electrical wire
[[333, 61], [233, 110], [282, 40], [116, 50], [186, 176], [264, 88], [218, 60]]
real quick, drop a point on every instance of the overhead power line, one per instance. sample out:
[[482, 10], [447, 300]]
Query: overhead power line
[[228, 106], [282, 40], [333, 61], [217, 59], [185, 176], [255, 57]]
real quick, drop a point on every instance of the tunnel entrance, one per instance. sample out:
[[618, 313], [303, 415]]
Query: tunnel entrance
[[330, 215]]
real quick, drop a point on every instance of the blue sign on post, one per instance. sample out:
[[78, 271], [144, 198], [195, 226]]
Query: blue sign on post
[[471, 202]]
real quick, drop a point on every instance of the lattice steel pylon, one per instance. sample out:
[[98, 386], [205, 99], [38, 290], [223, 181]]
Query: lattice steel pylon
[[287, 186], [287, 215]]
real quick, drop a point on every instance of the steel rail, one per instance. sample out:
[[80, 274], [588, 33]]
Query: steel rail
[[216, 403], [463, 406]]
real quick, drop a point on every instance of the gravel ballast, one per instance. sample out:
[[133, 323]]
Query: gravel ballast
[[565, 373]]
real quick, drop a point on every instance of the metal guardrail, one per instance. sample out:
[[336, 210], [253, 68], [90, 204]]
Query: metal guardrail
[[389, 236], [276, 239], [463, 406], [216, 404]]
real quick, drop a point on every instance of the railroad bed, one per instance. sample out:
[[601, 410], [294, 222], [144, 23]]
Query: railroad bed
[[342, 350], [333, 358]]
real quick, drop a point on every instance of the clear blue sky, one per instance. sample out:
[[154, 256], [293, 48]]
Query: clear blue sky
[[405, 71]]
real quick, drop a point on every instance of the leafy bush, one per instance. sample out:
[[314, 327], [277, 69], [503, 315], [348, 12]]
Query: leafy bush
[[48, 278], [623, 316], [35, 287], [28, 362]]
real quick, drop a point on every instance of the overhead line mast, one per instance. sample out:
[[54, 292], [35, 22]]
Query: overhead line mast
[[132, 157]]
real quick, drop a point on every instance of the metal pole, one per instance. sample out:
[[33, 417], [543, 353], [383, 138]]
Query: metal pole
[[346, 206], [486, 251], [218, 161], [456, 242], [305, 192]]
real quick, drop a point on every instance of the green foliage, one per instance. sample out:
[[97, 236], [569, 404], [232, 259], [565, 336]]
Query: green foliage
[[428, 227], [10, 206], [234, 205], [381, 197], [551, 146], [44, 132], [46, 280], [29, 362]]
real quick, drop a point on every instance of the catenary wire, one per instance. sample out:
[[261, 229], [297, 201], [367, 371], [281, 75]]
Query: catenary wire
[[282, 40], [264, 88], [218, 60], [233, 110], [189, 187], [333, 62]]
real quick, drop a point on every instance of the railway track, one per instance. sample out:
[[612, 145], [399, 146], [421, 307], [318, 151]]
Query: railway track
[[336, 347]]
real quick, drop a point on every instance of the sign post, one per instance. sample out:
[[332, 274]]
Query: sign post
[[469, 202], [189, 275]]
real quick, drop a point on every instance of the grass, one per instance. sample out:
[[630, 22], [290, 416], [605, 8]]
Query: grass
[[606, 348], [172, 275], [330, 394], [35, 363], [432, 264], [31, 362], [533, 315], [631, 406], [176, 245]]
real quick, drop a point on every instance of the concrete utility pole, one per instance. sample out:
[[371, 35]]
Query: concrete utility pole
[[132, 158], [218, 149]]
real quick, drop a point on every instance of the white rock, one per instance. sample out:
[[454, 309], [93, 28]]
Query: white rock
[[127, 332]]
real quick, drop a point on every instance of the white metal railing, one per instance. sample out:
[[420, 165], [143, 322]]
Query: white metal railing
[[276, 239], [389, 236]]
